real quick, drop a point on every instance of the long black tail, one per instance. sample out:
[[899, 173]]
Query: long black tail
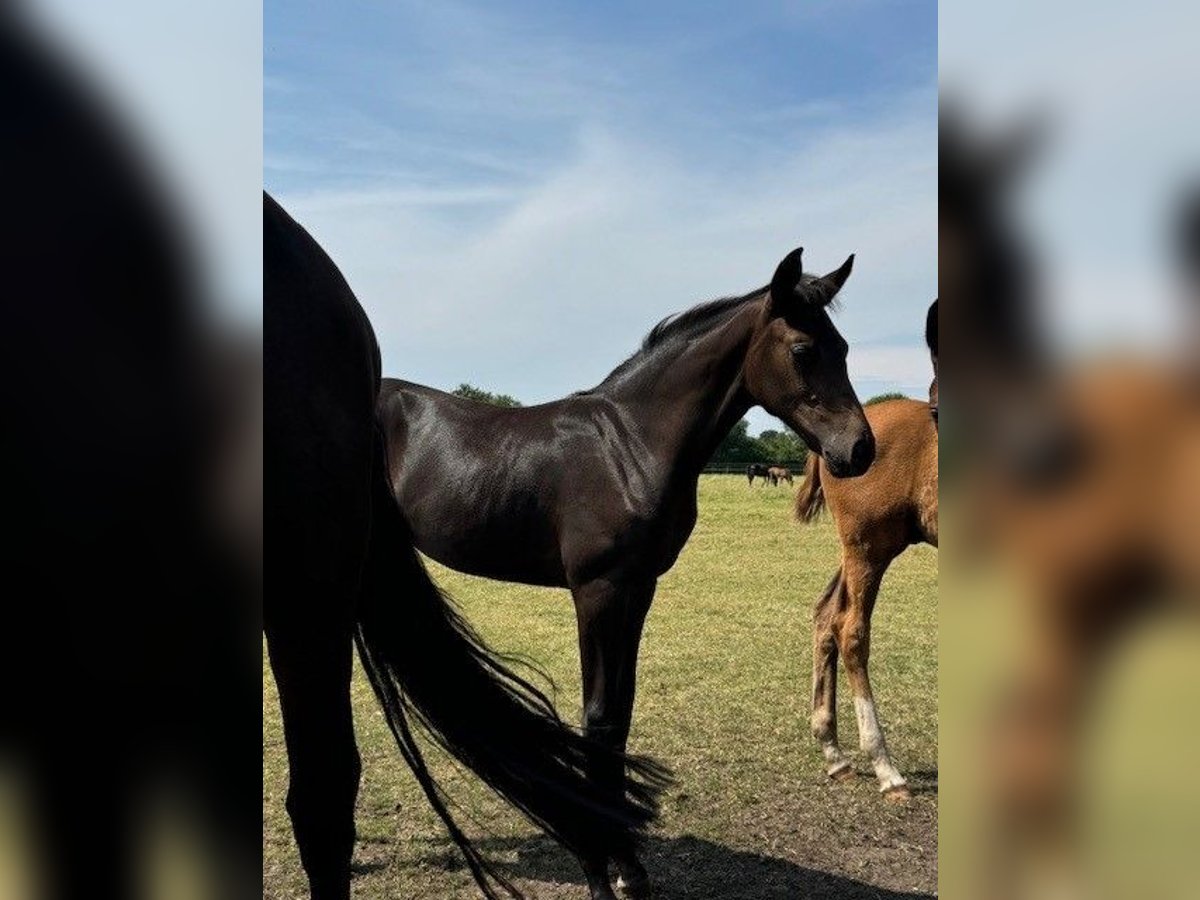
[[427, 665]]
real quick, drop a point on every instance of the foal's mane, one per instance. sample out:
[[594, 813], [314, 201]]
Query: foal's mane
[[696, 321], [679, 328]]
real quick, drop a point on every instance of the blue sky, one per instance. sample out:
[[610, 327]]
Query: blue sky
[[518, 191], [1097, 200]]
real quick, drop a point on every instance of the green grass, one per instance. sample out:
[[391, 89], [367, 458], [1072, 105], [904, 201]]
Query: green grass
[[722, 698]]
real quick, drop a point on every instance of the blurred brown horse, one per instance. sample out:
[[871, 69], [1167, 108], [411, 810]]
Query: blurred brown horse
[[878, 515], [1084, 483]]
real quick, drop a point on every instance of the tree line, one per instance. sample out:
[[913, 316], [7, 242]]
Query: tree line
[[473, 393], [771, 446]]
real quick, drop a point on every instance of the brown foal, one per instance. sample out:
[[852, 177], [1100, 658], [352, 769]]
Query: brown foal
[[878, 515], [778, 473]]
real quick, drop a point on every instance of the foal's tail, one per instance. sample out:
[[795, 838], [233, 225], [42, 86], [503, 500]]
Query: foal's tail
[[810, 499], [428, 666]]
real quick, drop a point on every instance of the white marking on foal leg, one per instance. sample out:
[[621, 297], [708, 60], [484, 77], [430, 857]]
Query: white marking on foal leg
[[870, 739], [824, 728]]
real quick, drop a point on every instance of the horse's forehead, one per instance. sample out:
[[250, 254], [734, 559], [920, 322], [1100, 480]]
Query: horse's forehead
[[812, 321]]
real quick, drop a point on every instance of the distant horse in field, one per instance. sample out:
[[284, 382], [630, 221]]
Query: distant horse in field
[[345, 572], [758, 470], [878, 515], [778, 473], [597, 492]]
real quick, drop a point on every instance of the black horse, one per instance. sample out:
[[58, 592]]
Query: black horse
[[757, 470], [597, 491], [344, 571]]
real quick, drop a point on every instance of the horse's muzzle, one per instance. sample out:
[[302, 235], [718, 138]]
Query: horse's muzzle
[[856, 461]]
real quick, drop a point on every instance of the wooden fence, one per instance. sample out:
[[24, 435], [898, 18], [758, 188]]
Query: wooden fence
[[739, 468]]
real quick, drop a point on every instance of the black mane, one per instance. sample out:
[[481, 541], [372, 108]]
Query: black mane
[[681, 327], [696, 320]]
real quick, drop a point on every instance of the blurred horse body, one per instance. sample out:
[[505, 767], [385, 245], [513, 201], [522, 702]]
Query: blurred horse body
[[1112, 538], [1083, 481]]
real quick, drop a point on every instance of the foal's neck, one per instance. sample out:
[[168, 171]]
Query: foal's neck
[[686, 404]]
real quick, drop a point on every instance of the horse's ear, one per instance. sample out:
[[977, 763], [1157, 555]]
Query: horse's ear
[[787, 277], [1013, 151], [988, 163], [821, 291], [931, 329]]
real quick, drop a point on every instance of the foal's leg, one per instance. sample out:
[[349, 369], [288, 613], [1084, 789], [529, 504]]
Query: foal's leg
[[824, 700], [610, 618], [862, 577], [312, 667]]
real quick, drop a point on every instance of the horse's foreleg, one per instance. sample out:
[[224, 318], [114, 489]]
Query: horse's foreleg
[[610, 618], [862, 579], [312, 667], [824, 686]]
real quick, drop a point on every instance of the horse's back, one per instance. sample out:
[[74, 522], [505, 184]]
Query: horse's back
[[320, 371], [478, 483]]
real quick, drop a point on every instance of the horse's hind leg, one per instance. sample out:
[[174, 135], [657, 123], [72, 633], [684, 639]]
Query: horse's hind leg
[[824, 698], [312, 667], [862, 579]]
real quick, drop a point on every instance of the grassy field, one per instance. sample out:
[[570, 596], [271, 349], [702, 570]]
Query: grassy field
[[722, 698]]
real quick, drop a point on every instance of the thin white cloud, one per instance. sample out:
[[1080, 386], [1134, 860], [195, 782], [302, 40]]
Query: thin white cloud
[[541, 290], [573, 190]]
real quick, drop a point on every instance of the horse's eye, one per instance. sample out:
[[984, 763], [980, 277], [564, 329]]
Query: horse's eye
[[801, 350]]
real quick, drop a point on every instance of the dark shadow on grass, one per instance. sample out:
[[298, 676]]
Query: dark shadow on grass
[[924, 781], [683, 867]]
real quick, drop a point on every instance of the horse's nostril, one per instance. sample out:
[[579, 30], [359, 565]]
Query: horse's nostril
[[862, 454]]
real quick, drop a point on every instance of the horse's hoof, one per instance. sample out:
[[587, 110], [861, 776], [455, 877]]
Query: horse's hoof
[[635, 888], [898, 794], [599, 887], [843, 771]]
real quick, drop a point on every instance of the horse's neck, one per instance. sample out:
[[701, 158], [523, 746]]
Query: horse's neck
[[685, 405]]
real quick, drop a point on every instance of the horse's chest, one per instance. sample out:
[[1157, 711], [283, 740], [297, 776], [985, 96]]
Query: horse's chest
[[643, 542], [666, 532]]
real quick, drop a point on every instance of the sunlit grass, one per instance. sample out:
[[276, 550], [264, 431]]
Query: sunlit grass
[[722, 698]]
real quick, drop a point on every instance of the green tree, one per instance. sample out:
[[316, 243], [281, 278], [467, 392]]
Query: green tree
[[781, 446], [739, 447], [881, 398], [473, 393]]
